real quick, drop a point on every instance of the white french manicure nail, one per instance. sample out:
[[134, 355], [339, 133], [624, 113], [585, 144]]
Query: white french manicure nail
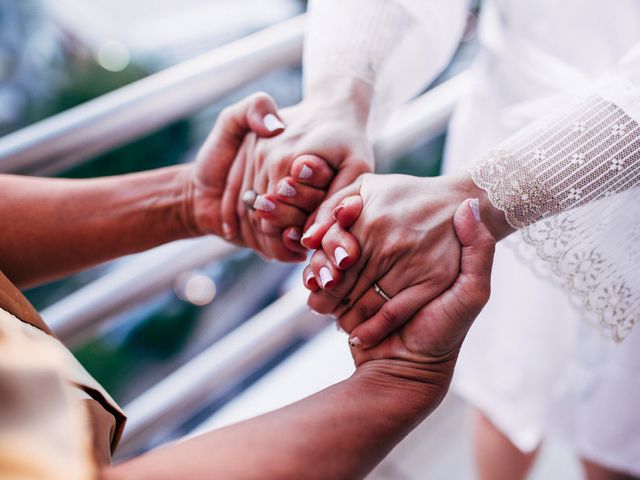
[[310, 276], [264, 204], [340, 254], [306, 172], [286, 189], [325, 276], [474, 206], [355, 342], [309, 233], [272, 123], [294, 234]]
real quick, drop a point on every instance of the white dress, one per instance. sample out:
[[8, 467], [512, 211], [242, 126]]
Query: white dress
[[532, 362]]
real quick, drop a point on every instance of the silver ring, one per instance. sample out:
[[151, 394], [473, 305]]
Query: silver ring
[[249, 198], [381, 292]]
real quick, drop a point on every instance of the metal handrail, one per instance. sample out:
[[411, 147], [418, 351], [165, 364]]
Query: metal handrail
[[113, 119], [235, 356], [134, 281], [154, 271]]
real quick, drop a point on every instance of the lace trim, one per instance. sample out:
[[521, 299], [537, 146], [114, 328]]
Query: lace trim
[[570, 184]]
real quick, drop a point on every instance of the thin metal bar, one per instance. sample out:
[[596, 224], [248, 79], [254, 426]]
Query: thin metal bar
[[136, 280], [150, 273], [148, 104], [236, 356]]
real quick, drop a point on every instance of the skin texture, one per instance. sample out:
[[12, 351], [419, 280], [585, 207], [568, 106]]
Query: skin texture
[[403, 240], [343, 431], [53, 227], [323, 149]]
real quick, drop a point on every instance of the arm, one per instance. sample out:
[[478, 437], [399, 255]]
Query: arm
[[53, 227], [343, 431], [362, 59]]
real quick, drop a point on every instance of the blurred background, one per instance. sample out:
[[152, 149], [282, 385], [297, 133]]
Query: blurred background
[[196, 334]]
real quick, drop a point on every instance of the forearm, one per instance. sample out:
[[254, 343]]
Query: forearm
[[53, 227], [341, 432]]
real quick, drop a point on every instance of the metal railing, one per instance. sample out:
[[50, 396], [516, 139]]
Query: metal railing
[[113, 119], [125, 114]]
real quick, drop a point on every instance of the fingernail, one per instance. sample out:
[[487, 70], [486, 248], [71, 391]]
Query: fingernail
[[336, 211], [340, 254], [325, 277], [286, 189], [309, 233], [272, 123], [306, 172], [226, 231], [294, 234], [355, 342], [310, 280], [474, 205], [264, 204]]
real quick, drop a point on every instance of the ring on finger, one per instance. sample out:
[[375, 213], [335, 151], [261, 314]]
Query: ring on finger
[[381, 292], [249, 198]]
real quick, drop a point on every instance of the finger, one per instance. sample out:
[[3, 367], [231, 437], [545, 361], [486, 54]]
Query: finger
[[291, 239], [299, 195], [348, 173], [326, 274], [272, 238], [341, 247], [262, 115], [473, 285], [312, 170], [348, 211], [364, 308], [391, 316], [312, 237], [309, 279], [231, 195], [278, 214]]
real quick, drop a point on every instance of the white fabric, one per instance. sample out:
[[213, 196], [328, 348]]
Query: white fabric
[[531, 361], [373, 40]]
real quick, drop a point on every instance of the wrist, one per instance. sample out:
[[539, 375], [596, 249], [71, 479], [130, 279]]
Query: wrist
[[188, 214], [343, 98], [422, 384]]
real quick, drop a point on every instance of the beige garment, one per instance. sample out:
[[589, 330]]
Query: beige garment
[[44, 430], [49, 404]]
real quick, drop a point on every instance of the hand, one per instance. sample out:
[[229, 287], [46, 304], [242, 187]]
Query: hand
[[207, 176], [323, 148], [408, 245], [426, 348]]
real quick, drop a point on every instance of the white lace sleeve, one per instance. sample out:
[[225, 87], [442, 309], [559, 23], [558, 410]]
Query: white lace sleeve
[[398, 46], [571, 183]]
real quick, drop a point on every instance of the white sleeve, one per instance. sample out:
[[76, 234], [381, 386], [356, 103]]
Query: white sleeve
[[397, 46], [571, 182]]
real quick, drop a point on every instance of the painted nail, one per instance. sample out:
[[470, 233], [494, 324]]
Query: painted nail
[[340, 254], [310, 280], [286, 189], [325, 277], [272, 123], [355, 342], [294, 234], [336, 211], [264, 204], [474, 206], [306, 172], [226, 231], [309, 233]]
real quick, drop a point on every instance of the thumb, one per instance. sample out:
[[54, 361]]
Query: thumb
[[473, 285]]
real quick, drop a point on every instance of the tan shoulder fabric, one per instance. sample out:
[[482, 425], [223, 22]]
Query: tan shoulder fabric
[[43, 430], [106, 425]]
